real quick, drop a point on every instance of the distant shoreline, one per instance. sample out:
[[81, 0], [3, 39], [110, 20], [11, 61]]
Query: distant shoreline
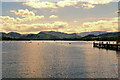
[[56, 40], [59, 36]]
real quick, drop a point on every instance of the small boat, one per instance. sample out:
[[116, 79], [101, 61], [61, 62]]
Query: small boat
[[69, 43]]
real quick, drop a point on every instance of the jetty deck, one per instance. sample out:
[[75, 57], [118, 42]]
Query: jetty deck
[[107, 45]]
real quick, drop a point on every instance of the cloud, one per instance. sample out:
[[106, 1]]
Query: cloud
[[53, 16], [22, 25], [27, 28], [40, 5], [7, 19], [99, 1], [92, 3], [102, 25], [25, 14], [10, 24], [50, 5], [87, 4], [66, 3]]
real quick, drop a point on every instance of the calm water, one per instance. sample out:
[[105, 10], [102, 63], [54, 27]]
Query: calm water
[[59, 59]]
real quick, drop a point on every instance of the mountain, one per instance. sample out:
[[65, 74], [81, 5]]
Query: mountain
[[110, 34], [60, 35], [41, 35], [52, 35], [83, 34], [89, 36], [14, 34], [11, 34], [98, 32]]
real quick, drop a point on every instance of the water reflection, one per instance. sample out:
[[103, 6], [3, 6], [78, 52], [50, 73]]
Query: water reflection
[[38, 59], [31, 60]]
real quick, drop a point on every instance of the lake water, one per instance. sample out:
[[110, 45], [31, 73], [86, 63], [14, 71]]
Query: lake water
[[57, 59]]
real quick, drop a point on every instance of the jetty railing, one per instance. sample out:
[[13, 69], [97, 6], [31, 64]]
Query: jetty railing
[[107, 45]]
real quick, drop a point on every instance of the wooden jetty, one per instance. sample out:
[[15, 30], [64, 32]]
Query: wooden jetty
[[107, 45]]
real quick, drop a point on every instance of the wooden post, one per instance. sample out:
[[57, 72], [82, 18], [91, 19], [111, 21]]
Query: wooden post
[[117, 47], [94, 44], [107, 45]]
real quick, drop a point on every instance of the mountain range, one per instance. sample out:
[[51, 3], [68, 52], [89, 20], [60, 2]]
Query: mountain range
[[83, 34], [52, 35], [40, 35]]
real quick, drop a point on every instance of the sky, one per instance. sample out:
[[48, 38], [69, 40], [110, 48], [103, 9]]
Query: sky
[[69, 16]]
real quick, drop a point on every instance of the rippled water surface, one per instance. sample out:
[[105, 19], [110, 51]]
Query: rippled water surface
[[59, 59]]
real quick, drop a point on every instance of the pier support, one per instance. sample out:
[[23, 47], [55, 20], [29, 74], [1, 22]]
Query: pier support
[[107, 46]]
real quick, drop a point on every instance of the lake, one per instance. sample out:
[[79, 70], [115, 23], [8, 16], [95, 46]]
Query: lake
[[57, 59]]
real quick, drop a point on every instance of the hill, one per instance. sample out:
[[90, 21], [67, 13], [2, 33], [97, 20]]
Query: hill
[[52, 35], [46, 35], [83, 34]]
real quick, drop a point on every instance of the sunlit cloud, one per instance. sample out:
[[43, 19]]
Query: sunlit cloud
[[61, 0], [102, 25], [7, 19], [109, 25], [92, 3], [25, 0], [40, 5], [66, 3], [51, 5], [23, 13], [53, 16], [28, 21], [27, 14], [25, 28], [99, 1], [87, 4], [10, 24]]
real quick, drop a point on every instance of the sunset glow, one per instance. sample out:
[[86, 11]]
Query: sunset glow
[[69, 16]]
